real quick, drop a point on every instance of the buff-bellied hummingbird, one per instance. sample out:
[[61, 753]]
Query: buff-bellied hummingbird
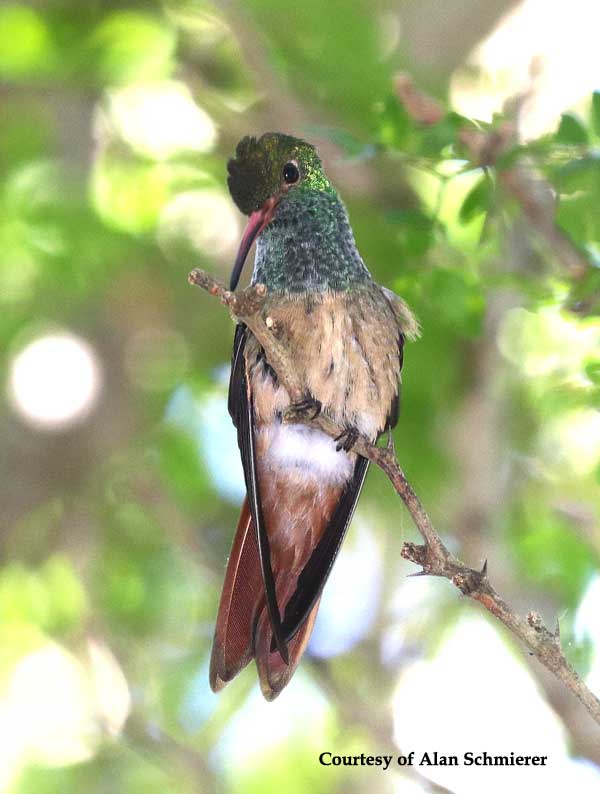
[[346, 337]]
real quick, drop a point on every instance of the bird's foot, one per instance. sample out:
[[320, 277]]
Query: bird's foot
[[391, 447], [347, 439], [309, 408]]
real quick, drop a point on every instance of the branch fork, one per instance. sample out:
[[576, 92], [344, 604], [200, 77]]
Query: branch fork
[[248, 306]]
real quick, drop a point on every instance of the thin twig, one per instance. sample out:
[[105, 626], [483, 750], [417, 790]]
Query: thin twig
[[247, 306]]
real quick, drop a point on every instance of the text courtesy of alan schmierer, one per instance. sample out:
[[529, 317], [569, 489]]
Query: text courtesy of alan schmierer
[[432, 759]]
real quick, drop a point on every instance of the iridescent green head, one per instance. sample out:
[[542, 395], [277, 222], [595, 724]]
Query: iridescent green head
[[264, 172], [269, 167]]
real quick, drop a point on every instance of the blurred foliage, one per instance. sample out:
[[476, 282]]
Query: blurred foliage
[[117, 120]]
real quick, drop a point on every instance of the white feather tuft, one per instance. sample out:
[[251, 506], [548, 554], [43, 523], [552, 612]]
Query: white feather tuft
[[309, 452]]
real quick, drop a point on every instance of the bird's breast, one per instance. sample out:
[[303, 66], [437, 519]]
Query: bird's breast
[[345, 350]]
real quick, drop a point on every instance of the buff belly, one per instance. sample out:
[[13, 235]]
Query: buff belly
[[345, 351]]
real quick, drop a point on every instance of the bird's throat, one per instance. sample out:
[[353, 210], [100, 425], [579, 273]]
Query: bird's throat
[[309, 246]]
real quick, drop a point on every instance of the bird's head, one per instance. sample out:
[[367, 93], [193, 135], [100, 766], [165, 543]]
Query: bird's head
[[264, 172]]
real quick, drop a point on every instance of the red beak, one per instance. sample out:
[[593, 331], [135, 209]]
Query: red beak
[[256, 223]]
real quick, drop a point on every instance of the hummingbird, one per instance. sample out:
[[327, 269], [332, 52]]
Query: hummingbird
[[346, 335]]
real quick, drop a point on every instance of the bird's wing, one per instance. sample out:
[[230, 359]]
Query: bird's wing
[[315, 573], [241, 411]]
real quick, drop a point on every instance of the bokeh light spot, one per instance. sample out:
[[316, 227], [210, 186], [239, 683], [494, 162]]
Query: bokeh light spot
[[129, 45], [25, 45], [111, 691], [47, 710], [553, 69], [54, 381], [159, 120], [573, 440]]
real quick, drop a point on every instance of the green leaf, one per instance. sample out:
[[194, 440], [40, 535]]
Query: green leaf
[[584, 297], [395, 125], [477, 200], [579, 186], [592, 371], [580, 175], [571, 217], [571, 130], [443, 135]]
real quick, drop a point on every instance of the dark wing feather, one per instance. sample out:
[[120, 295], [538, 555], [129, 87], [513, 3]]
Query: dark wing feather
[[394, 412], [237, 378], [316, 571], [241, 411]]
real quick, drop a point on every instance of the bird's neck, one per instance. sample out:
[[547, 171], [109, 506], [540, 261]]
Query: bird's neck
[[309, 246]]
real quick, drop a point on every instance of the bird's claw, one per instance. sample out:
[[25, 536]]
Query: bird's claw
[[308, 408], [347, 439]]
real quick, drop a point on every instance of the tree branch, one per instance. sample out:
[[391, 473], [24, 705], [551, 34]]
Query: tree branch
[[247, 306]]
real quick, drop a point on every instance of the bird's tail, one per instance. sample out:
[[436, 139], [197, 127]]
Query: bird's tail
[[243, 629]]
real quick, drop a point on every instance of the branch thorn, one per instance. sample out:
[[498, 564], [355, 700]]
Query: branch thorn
[[535, 620]]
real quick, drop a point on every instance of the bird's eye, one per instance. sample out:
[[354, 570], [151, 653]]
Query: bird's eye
[[291, 174]]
